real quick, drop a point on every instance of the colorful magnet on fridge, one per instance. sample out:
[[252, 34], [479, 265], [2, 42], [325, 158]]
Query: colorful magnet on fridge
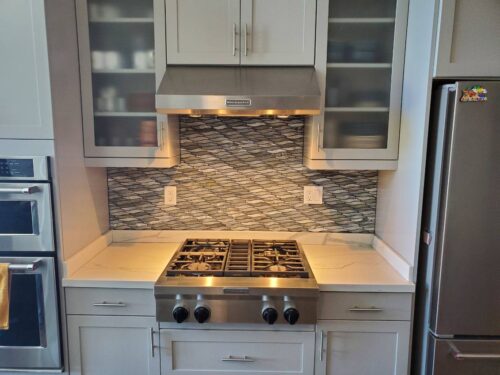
[[474, 94]]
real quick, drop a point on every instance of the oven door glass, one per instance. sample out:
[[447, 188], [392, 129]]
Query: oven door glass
[[32, 340], [26, 217]]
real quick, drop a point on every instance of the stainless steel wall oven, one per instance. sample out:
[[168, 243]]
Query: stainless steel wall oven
[[32, 340]]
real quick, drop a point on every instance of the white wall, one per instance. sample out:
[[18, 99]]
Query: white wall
[[400, 192]]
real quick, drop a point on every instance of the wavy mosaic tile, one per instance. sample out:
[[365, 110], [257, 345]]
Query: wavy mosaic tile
[[242, 174]]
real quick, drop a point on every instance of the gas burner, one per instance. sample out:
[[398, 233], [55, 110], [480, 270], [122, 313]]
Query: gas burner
[[277, 268], [196, 266]]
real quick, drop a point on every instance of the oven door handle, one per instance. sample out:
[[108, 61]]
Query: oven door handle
[[30, 267], [22, 190]]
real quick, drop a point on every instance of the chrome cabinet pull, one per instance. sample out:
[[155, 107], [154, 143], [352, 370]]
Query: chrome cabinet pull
[[151, 332], [245, 39], [237, 358], [110, 304], [319, 137], [234, 39], [24, 190], [459, 356], [321, 348], [365, 309]]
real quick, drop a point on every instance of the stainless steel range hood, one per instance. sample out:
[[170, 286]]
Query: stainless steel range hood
[[239, 91]]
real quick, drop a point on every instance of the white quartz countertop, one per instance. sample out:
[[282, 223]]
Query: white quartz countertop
[[339, 266]]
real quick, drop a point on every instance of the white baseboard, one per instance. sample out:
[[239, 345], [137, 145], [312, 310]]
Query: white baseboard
[[393, 258]]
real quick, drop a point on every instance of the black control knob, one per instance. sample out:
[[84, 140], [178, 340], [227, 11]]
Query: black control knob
[[202, 314], [270, 315], [291, 315], [180, 314]]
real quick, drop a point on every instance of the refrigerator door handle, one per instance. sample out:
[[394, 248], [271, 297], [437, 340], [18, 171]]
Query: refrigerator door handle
[[459, 356]]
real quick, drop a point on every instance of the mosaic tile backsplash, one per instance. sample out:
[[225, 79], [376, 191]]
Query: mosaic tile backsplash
[[242, 174]]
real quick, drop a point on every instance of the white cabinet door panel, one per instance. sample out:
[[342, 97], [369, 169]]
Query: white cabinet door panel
[[25, 97], [203, 32], [211, 352], [362, 348], [112, 345], [468, 42], [278, 32]]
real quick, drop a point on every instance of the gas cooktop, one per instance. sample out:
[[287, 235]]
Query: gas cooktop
[[237, 281], [239, 258]]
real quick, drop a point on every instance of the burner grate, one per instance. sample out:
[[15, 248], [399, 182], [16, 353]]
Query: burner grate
[[277, 259], [239, 258], [199, 258]]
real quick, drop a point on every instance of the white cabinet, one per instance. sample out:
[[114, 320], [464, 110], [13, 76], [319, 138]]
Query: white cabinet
[[278, 32], [468, 40], [247, 32], [122, 61], [359, 61], [203, 32], [347, 347], [25, 96], [113, 345], [214, 352]]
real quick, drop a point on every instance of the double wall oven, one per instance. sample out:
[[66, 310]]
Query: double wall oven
[[32, 341]]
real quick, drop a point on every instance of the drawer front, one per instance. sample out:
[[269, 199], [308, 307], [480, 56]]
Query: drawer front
[[105, 301], [197, 352], [365, 306]]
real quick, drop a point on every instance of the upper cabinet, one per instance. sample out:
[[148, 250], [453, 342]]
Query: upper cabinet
[[359, 61], [25, 96], [247, 32], [468, 40], [122, 61]]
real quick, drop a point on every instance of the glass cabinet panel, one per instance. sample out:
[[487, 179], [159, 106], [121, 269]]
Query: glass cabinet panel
[[121, 40], [358, 74]]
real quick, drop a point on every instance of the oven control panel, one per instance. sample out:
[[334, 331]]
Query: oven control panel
[[34, 168]]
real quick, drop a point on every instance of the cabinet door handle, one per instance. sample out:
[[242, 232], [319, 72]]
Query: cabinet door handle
[[151, 332], [110, 304], [234, 39], [366, 309], [319, 136], [321, 348], [237, 358], [245, 39]]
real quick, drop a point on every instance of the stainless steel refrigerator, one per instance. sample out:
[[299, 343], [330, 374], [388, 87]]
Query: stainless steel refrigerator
[[457, 323]]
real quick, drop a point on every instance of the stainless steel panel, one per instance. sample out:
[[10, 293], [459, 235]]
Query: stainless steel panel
[[48, 354], [260, 90], [466, 282], [39, 195], [464, 357]]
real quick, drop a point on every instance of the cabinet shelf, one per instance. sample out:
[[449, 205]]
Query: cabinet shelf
[[123, 71], [125, 114], [360, 65], [123, 20], [361, 20], [356, 109]]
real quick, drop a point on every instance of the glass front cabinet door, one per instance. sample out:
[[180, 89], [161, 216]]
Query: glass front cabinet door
[[359, 62], [122, 61]]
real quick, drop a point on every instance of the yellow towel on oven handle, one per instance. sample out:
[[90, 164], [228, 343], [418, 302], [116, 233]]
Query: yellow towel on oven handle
[[4, 296]]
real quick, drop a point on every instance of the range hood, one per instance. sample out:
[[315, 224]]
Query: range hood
[[239, 91]]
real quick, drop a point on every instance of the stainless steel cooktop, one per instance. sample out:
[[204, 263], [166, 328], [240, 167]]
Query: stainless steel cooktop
[[237, 281]]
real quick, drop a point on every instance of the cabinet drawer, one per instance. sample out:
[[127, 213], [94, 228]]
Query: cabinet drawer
[[103, 301], [211, 352], [365, 306]]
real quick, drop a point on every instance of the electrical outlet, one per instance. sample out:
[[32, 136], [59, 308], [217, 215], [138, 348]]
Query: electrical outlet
[[313, 194], [170, 195]]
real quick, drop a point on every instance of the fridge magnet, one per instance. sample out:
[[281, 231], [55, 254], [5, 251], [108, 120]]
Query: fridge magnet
[[474, 94]]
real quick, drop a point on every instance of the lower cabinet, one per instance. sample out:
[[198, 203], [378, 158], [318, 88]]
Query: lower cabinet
[[349, 347], [211, 352], [113, 345]]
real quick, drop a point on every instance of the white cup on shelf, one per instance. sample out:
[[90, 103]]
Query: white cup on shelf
[[113, 60], [97, 58]]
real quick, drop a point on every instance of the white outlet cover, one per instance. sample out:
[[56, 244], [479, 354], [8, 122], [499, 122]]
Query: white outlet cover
[[313, 194], [170, 195]]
